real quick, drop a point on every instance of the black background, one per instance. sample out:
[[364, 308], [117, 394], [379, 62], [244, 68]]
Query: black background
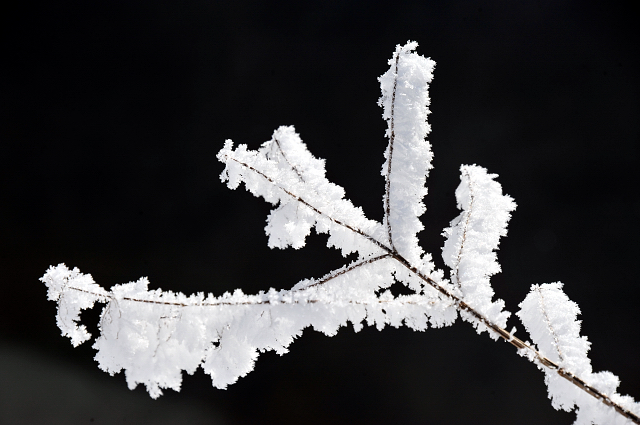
[[112, 114]]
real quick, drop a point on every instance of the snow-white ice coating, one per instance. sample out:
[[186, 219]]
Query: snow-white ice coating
[[550, 317], [284, 173], [471, 241], [405, 101], [154, 335]]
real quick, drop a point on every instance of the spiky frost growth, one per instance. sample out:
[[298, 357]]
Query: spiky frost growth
[[473, 238]]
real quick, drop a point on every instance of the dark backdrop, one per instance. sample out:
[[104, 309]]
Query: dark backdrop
[[112, 114]]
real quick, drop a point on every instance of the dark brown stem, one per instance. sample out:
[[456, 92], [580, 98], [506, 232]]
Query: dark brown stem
[[464, 233], [228, 303], [556, 340], [392, 138], [335, 274], [293, 167], [302, 201]]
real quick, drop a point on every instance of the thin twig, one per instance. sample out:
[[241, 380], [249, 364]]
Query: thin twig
[[335, 274], [293, 167], [556, 340], [261, 302], [302, 201], [464, 233], [392, 137]]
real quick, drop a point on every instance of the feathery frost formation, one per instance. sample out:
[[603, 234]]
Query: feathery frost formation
[[471, 241], [284, 173], [550, 317], [405, 100], [155, 335], [71, 303]]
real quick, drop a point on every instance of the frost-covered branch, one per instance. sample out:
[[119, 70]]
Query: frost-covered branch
[[473, 238], [154, 335], [550, 318], [389, 153], [405, 101]]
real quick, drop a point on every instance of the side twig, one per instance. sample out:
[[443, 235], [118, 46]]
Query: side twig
[[392, 137]]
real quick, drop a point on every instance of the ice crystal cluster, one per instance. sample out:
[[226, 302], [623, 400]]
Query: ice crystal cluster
[[155, 335]]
